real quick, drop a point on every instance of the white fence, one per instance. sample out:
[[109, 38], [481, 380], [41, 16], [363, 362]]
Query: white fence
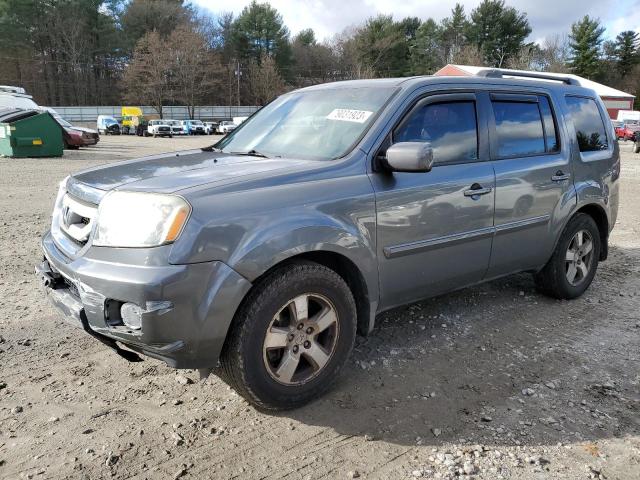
[[90, 114]]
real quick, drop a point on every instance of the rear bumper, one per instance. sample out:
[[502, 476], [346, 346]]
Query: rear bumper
[[190, 334]]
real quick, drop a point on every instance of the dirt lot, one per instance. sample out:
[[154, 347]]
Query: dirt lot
[[494, 381]]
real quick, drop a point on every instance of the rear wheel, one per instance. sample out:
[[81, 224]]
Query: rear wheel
[[574, 262], [291, 337]]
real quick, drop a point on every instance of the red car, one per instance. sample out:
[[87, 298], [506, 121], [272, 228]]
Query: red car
[[627, 131], [74, 137]]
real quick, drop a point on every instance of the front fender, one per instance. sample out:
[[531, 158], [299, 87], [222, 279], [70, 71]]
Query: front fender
[[252, 230]]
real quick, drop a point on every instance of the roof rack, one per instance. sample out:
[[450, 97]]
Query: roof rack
[[501, 73]]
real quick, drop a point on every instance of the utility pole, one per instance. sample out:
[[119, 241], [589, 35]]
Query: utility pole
[[238, 75]]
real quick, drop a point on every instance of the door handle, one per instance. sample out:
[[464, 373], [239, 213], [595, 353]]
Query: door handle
[[477, 190], [560, 176]]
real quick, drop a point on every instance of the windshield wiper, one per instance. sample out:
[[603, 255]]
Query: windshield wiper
[[210, 148], [250, 153]]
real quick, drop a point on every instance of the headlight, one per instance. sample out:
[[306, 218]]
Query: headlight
[[62, 190], [135, 219]]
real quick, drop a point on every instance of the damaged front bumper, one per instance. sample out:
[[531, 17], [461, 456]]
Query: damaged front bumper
[[198, 302]]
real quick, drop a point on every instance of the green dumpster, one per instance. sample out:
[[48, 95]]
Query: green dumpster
[[29, 133]]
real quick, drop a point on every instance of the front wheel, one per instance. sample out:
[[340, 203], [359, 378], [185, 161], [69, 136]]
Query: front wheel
[[291, 337], [574, 262], [636, 147]]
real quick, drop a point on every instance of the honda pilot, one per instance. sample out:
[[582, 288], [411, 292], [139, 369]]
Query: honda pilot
[[261, 257]]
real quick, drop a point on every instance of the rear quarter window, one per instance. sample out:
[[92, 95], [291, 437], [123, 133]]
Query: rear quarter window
[[587, 121]]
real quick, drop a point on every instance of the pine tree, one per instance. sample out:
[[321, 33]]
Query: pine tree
[[626, 50], [499, 32], [585, 41]]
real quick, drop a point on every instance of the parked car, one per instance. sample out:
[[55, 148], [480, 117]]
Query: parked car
[[210, 127], [176, 127], [193, 127], [627, 131], [225, 127], [74, 137], [107, 125], [636, 142], [617, 127], [159, 128], [266, 252]]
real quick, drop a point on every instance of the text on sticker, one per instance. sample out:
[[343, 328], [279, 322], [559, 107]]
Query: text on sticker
[[348, 115]]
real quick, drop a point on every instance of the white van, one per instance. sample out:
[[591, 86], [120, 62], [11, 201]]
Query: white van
[[108, 125]]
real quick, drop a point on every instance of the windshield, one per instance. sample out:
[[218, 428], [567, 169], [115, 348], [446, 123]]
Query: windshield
[[319, 124], [109, 121], [196, 122]]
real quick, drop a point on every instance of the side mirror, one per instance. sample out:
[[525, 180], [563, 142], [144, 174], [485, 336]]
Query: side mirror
[[409, 157]]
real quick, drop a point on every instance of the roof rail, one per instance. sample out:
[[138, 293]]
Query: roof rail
[[501, 73]]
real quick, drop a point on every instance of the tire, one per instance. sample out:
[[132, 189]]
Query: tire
[[257, 371], [554, 278], [636, 147]]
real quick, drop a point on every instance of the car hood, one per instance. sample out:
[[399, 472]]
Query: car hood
[[172, 172], [82, 129]]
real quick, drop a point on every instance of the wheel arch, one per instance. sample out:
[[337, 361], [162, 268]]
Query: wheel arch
[[599, 216], [350, 273]]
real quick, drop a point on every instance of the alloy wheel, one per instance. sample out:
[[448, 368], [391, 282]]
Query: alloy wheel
[[301, 339], [579, 257]]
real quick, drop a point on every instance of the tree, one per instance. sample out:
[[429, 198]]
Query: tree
[[196, 70], [259, 32], [312, 62], [62, 52], [427, 56], [469, 55], [585, 41], [499, 32], [265, 82], [554, 55], [452, 33], [381, 45], [148, 78], [626, 49], [143, 16]]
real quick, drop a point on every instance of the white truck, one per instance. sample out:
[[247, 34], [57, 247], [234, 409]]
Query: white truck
[[628, 116], [159, 128]]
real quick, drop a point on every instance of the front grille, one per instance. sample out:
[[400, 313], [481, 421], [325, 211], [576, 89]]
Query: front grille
[[76, 218]]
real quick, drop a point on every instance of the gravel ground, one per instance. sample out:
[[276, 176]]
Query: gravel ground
[[489, 382]]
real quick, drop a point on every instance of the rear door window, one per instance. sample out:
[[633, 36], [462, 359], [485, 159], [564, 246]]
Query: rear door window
[[587, 121], [450, 127], [519, 129]]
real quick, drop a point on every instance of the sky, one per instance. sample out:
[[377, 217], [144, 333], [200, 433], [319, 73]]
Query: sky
[[547, 18]]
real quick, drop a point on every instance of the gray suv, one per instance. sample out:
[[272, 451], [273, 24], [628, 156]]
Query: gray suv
[[261, 257]]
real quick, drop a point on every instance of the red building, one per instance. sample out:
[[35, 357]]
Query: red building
[[614, 100]]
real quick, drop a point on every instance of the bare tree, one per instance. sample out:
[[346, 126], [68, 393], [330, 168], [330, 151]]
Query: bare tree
[[148, 78], [555, 54], [469, 55], [196, 69], [265, 82]]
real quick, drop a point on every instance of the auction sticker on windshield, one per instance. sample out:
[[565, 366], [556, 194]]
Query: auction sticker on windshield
[[348, 115]]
